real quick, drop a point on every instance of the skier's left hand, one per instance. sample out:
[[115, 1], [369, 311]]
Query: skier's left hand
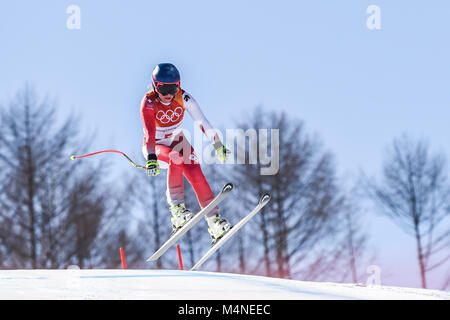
[[222, 153]]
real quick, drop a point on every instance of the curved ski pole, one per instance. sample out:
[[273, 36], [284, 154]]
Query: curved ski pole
[[115, 151]]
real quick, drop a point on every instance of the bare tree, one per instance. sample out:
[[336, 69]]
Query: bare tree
[[116, 229], [415, 194], [356, 247], [52, 210], [153, 216], [306, 207], [249, 185], [446, 284]]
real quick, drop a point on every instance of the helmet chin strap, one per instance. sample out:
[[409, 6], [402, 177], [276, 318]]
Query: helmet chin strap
[[165, 103]]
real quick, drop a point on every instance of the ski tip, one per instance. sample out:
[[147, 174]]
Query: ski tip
[[264, 199], [72, 157], [151, 259], [228, 187]]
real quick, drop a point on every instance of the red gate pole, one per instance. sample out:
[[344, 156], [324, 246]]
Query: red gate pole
[[180, 261], [122, 257]]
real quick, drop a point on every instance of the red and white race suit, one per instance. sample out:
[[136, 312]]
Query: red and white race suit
[[163, 136]]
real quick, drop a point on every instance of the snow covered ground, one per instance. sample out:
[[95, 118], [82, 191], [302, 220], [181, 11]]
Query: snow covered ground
[[181, 285]]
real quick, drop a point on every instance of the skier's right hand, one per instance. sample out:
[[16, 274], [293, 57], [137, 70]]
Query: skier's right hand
[[152, 165]]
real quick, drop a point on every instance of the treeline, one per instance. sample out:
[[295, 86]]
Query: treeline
[[55, 212]]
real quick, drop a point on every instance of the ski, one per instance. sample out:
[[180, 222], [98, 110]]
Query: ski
[[188, 225], [262, 202]]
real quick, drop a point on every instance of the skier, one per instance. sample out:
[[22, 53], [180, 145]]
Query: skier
[[162, 111]]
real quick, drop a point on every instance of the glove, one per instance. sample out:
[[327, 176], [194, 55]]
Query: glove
[[222, 153], [152, 165]]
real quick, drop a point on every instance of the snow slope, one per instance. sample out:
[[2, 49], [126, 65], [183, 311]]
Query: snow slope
[[182, 285]]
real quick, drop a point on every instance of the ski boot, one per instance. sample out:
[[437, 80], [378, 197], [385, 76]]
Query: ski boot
[[180, 215], [217, 227]]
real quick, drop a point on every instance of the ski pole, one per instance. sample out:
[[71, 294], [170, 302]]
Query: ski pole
[[115, 151]]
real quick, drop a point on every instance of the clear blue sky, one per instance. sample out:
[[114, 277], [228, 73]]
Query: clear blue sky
[[357, 88]]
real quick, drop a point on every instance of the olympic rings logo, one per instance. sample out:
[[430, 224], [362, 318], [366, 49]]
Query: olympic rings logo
[[169, 115]]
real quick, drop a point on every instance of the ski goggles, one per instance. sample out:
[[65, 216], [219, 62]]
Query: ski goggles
[[167, 88]]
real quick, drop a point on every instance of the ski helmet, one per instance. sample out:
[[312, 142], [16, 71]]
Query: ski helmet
[[166, 78]]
